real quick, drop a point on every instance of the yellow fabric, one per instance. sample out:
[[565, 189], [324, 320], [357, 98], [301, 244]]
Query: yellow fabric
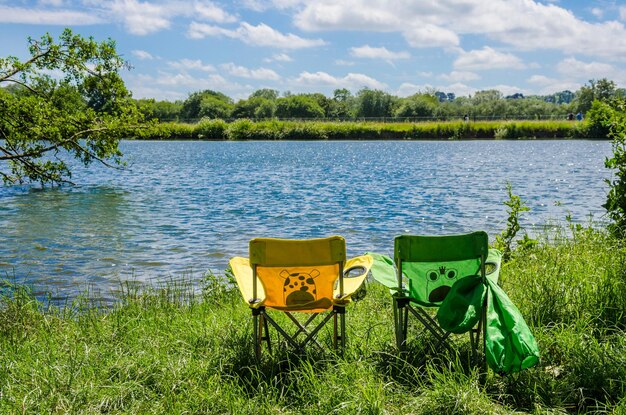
[[243, 275], [271, 252], [298, 288], [274, 293], [350, 285]]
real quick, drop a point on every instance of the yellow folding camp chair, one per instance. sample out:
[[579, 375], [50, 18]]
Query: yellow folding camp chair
[[299, 276]]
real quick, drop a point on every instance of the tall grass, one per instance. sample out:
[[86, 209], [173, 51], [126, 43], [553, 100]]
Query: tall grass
[[244, 129], [177, 349]]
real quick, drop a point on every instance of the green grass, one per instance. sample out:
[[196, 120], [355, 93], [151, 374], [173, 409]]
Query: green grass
[[173, 350], [244, 129]]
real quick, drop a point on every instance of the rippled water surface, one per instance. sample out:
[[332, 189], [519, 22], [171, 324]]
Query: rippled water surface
[[186, 207]]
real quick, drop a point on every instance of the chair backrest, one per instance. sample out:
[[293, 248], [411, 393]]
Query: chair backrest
[[432, 264], [298, 275]]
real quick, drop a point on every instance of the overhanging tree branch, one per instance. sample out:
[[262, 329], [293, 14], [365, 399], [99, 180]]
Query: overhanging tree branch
[[85, 114]]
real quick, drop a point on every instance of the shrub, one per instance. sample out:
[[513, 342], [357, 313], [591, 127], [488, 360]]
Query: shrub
[[615, 119], [239, 130], [208, 129]]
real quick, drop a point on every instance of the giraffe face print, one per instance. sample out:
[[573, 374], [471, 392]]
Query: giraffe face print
[[299, 287]]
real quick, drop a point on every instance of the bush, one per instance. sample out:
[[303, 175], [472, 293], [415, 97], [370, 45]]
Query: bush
[[239, 130], [615, 119], [208, 129], [599, 120]]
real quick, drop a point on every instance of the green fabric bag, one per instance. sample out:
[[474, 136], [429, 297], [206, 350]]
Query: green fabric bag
[[511, 346], [461, 309]]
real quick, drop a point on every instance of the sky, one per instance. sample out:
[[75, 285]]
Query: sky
[[399, 46]]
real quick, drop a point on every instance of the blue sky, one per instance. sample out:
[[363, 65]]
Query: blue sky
[[399, 46]]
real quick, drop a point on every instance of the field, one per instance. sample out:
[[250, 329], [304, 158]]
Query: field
[[177, 349]]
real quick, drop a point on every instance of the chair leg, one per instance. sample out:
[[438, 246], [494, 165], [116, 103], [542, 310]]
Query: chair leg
[[339, 328], [257, 325], [484, 337], [342, 318], [475, 337], [267, 333], [335, 333], [400, 311]]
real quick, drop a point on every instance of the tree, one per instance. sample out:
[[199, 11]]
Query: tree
[[214, 107], [563, 97], [266, 109], [601, 90], [206, 103], [83, 114], [341, 105], [159, 110], [254, 107], [418, 105], [374, 103], [270, 94], [298, 106]]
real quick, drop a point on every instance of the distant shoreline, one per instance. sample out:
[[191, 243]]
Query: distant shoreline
[[274, 130]]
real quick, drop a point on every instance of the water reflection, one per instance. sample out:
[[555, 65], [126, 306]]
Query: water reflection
[[70, 236], [185, 207]]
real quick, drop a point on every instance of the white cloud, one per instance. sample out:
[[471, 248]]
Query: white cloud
[[200, 31], [260, 35], [573, 68], [541, 80], [140, 18], [547, 85], [524, 24], [47, 17], [142, 54], [508, 89], [351, 80], [54, 3], [263, 5], [167, 84], [279, 57], [343, 62], [146, 17], [383, 53], [243, 72], [598, 12], [487, 58], [431, 36], [347, 15], [207, 10], [458, 88], [255, 5], [407, 89], [191, 65], [460, 76]]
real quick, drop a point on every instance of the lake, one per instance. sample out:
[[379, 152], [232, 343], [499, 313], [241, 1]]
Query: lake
[[184, 207]]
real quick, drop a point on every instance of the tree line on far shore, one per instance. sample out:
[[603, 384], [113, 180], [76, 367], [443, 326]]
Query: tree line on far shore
[[377, 104]]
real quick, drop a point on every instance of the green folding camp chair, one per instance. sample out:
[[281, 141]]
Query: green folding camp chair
[[426, 269], [298, 277]]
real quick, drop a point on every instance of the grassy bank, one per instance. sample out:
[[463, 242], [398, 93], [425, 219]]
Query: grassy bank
[[320, 130], [172, 351]]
